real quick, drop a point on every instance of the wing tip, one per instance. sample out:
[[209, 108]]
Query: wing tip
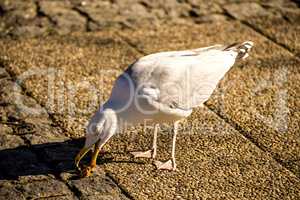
[[248, 44], [241, 48]]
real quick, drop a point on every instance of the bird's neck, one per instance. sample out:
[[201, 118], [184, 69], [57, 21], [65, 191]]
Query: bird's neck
[[112, 115], [101, 127], [121, 115]]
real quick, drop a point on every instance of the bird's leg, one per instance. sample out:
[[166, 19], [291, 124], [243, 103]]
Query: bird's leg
[[152, 152], [98, 146], [89, 169], [170, 164]]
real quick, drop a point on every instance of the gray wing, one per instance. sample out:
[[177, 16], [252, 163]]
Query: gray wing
[[180, 80]]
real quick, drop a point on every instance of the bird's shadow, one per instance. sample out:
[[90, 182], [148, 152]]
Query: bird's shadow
[[50, 158]]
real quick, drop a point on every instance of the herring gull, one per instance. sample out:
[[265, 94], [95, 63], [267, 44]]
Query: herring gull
[[160, 87]]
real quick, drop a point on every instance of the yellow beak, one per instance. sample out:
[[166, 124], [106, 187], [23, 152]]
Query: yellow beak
[[80, 155]]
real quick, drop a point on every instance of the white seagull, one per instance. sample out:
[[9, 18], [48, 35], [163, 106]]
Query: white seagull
[[161, 87]]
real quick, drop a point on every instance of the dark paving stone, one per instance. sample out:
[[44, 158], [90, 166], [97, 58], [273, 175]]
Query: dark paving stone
[[67, 170], [60, 153], [21, 18], [69, 197], [3, 73], [97, 186], [102, 19], [19, 9], [32, 178], [10, 141], [24, 113], [132, 13], [42, 189], [5, 129], [44, 133], [246, 11], [62, 17], [44, 137], [66, 20], [10, 91], [9, 192], [20, 162], [280, 3], [213, 18], [292, 14], [18, 105], [201, 8]]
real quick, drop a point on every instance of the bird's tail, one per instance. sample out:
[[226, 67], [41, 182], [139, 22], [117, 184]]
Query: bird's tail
[[241, 48]]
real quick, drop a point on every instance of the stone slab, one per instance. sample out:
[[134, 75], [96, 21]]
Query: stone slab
[[42, 189], [98, 186], [20, 162], [10, 141], [8, 191]]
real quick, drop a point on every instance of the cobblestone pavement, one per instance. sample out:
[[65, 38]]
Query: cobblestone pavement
[[59, 59]]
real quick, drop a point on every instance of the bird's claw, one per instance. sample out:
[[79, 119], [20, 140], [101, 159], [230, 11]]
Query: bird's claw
[[169, 165], [142, 154], [79, 167], [86, 171]]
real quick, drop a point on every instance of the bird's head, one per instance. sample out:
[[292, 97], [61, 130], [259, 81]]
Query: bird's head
[[101, 127]]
